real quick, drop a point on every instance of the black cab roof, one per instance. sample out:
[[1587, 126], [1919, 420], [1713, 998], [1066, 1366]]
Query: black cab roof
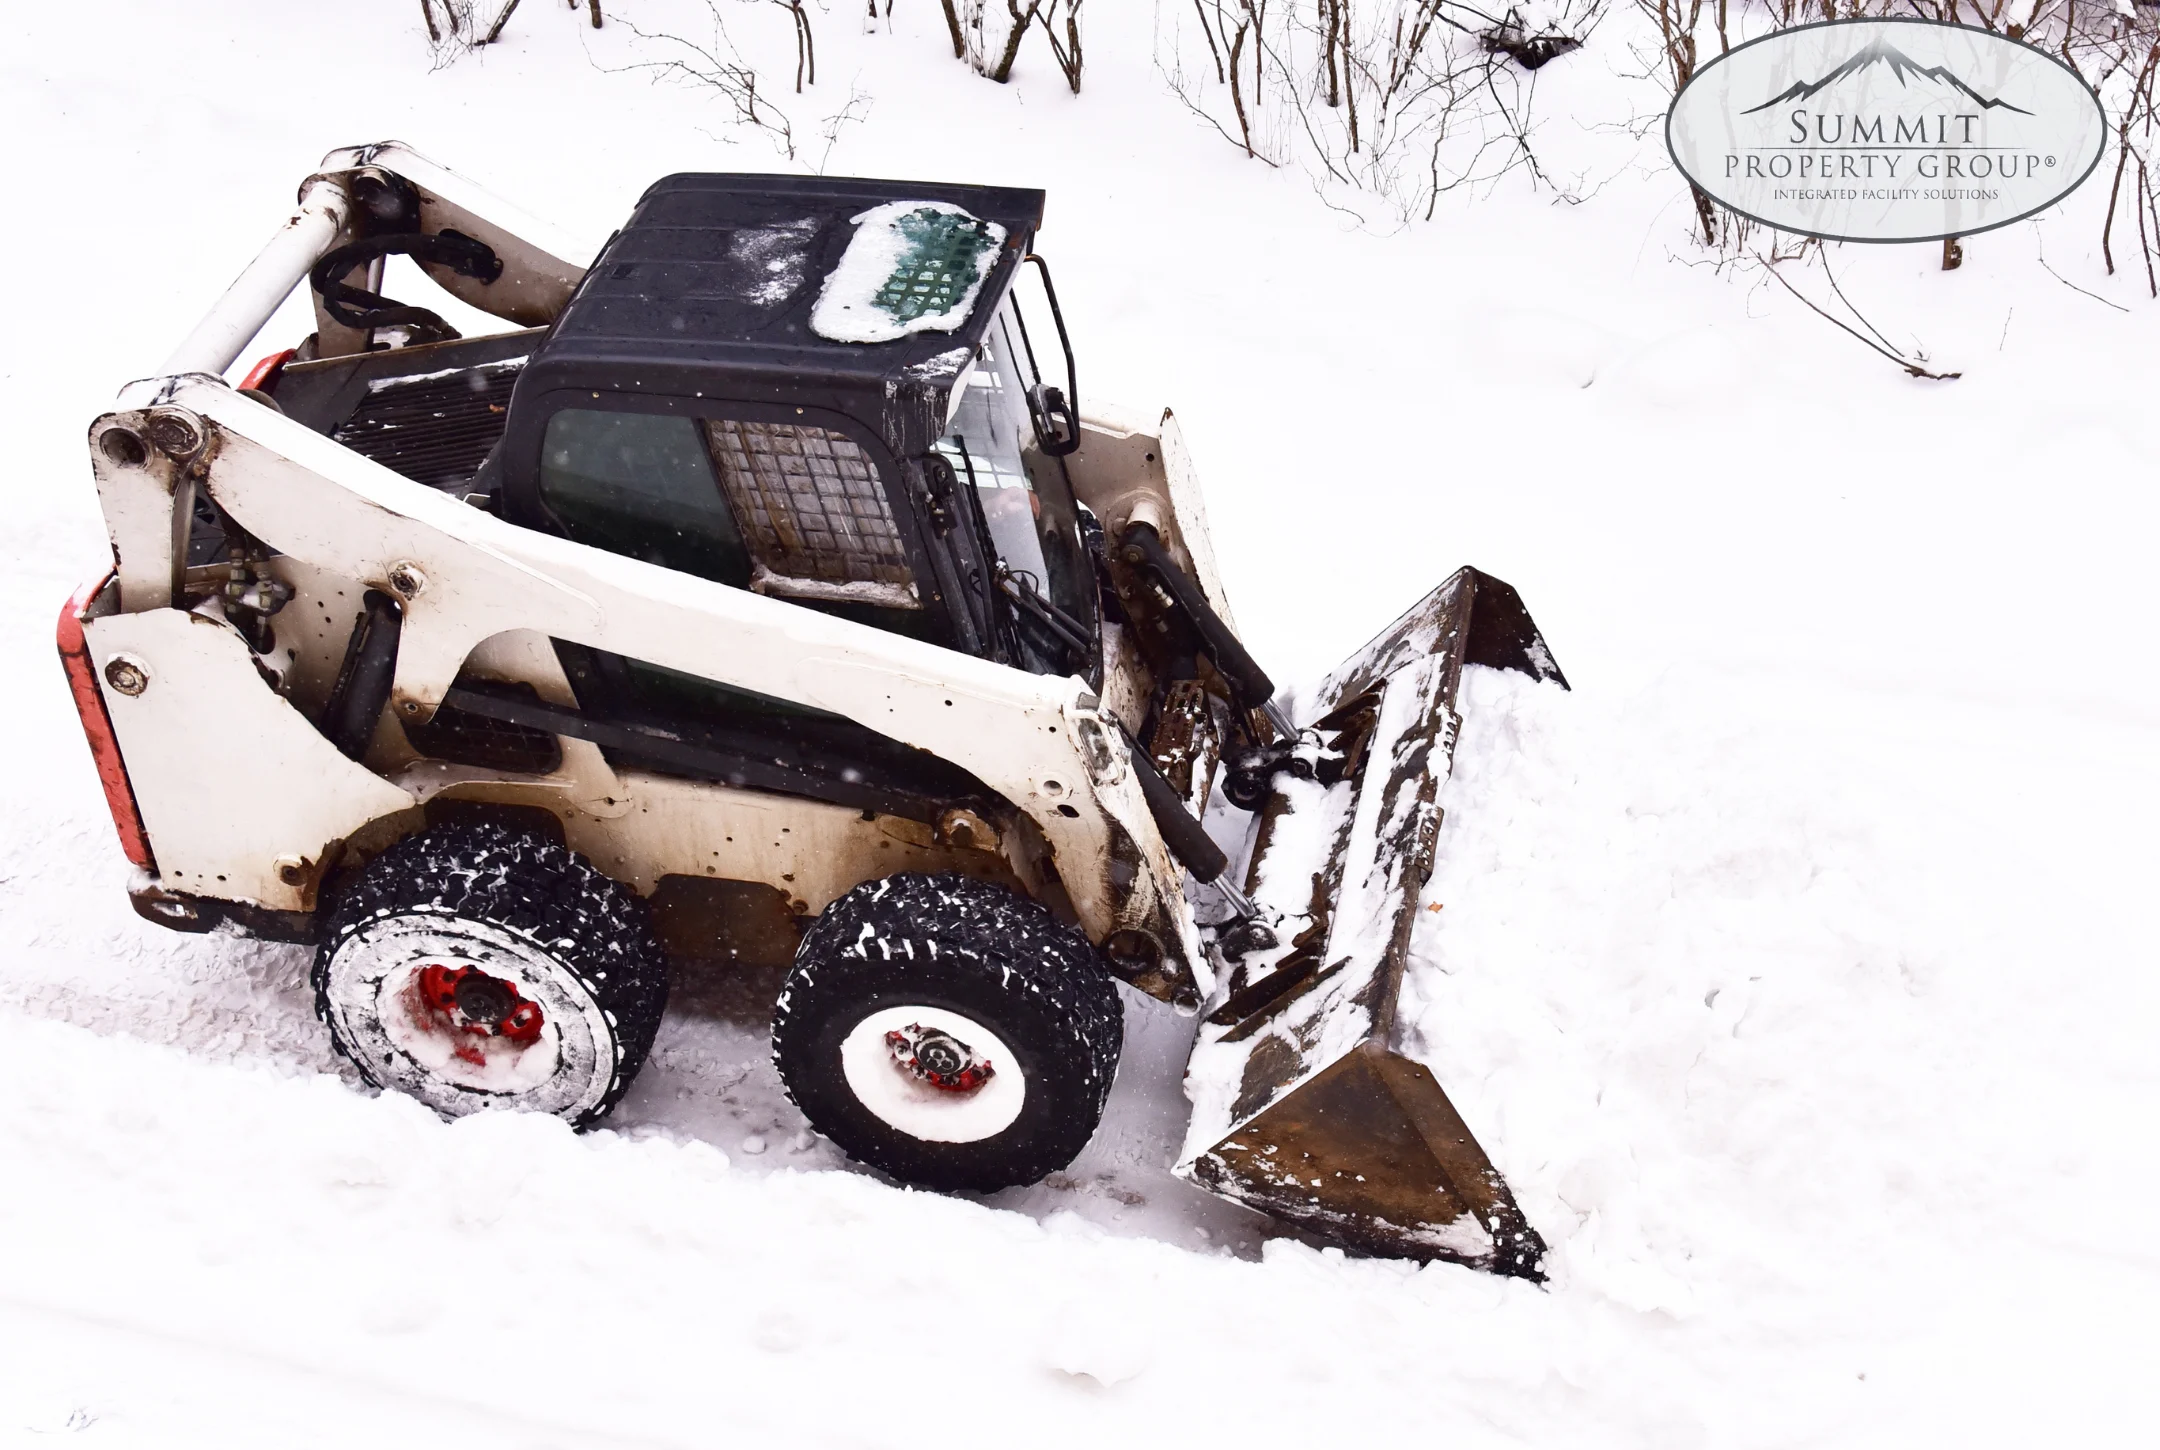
[[708, 291]]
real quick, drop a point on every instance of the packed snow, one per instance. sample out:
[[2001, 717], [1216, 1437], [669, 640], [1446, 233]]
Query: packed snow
[[1793, 966], [849, 308]]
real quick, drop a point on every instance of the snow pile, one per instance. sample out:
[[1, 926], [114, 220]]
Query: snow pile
[[1708, 936], [1710, 973]]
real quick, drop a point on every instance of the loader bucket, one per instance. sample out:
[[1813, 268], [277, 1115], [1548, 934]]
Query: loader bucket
[[1302, 1105]]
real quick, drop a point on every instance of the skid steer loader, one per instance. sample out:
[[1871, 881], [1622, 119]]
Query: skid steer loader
[[764, 597]]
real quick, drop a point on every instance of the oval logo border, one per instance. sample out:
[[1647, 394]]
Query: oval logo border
[[1997, 36]]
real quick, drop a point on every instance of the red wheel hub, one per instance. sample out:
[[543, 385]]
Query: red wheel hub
[[472, 1003], [938, 1058]]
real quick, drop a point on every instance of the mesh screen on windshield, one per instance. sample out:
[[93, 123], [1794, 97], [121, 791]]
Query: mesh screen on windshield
[[809, 503]]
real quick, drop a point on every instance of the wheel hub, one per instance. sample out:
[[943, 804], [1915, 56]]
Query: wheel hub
[[938, 1058], [465, 1001]]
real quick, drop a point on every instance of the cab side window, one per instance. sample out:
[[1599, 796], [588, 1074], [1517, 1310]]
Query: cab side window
[[641, 485], [787, 509], [784, 508]]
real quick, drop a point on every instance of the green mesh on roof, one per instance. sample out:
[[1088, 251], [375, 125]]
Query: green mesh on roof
[[941, 262]]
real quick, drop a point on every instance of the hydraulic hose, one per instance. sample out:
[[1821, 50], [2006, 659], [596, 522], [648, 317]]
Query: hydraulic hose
[[364, 680], [358, 308], [1195, 850], [1143, 546]]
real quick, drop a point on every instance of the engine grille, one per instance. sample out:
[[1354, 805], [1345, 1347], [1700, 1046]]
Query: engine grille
[[437, 428]]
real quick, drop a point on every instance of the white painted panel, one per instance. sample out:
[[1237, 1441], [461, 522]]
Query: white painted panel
[[228, 775]]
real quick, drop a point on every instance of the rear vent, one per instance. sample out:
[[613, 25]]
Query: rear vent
[[437, 428]]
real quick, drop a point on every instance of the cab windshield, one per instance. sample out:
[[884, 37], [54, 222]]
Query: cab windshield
[[1026, 500]]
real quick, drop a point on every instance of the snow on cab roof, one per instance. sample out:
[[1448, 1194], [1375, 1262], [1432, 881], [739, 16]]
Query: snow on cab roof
[[912, 266]]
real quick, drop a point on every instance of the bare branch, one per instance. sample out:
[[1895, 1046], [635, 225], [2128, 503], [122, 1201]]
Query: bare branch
[[721, 67], [1906, 363]]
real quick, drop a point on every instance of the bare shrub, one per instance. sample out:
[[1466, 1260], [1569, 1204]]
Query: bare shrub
[[988, 34], [459, 27], [1060, 21], [716, 64], [2119, 54], [1401, 100], [805, 45]]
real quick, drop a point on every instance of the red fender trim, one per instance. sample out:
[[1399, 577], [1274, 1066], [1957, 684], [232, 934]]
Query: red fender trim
[[264, 375], [97, 725]]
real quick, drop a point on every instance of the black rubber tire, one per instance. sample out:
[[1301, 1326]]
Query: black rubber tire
[[964, 946], [597, 931]]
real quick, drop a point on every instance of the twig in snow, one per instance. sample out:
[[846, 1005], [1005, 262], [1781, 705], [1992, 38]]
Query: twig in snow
[[2075, 288], [1848, 303], [1906, 363], [1202, 112], [856, 109]]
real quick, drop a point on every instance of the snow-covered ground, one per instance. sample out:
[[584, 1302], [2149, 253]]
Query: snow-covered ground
[[1793, 966]]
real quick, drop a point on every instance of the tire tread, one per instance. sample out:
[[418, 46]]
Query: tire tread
[[948, 928], [488, 871]]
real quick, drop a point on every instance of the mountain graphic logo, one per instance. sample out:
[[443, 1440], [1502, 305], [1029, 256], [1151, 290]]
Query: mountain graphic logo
[[1885, 130], [1881, 52]]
